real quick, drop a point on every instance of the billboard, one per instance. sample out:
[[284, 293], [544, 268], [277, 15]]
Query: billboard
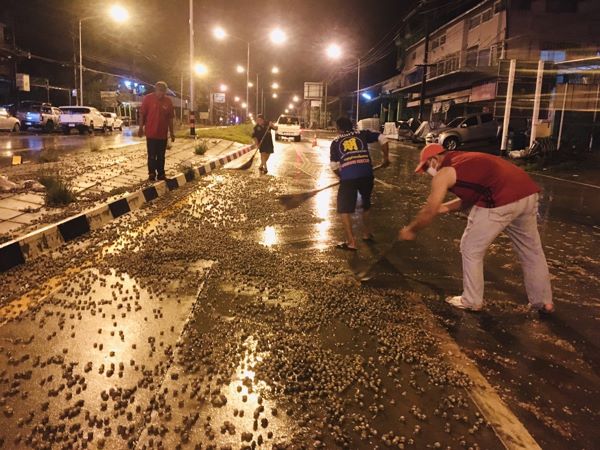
[[219, 97], [313, 90], [23, 82]]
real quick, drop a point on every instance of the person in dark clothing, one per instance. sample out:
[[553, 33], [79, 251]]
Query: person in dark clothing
[[351, 161], [263, 140]]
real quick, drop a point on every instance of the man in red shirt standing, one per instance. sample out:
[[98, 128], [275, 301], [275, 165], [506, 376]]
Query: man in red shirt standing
[[156, 122], [503, 198]]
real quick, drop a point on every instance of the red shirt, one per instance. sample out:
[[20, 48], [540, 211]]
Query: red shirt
[[488, 181], [157, 114]]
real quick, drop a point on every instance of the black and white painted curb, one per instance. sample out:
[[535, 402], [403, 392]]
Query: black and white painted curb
[[18, 251]]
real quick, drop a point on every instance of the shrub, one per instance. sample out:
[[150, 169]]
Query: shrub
[[58, 191], [201, 146]]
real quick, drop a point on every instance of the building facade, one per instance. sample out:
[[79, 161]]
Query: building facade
[[467, 70]]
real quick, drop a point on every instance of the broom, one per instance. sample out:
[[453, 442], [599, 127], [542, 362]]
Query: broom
[[291, 201], [248, 164]]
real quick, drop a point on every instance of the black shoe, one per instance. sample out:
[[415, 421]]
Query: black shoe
[[151, 177], [161, 177]]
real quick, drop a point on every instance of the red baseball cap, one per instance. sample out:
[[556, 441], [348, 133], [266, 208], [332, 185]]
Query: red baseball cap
[[429, 151]]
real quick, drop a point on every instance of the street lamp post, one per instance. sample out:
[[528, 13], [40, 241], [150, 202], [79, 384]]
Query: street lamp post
[[119, 14], [192, 112], [334, 51]]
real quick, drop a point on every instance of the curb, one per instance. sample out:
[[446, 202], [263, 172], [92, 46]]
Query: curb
[[24, 248]]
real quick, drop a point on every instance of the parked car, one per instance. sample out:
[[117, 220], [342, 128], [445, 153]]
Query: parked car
[[113, 122], [288, 126], [81, 118], [471, 128], [126, 120], [38, 115], [8, 122], [371, 124]]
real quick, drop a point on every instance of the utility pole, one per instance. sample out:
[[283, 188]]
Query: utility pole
[[256, 87], [536, 102], [508, 105], [192, 111], [357, 91], [425, 67]]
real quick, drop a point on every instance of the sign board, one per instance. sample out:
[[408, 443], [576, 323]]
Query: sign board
[[483, 92], [313, 90], [219, 97], [203, 115], [315, 103], [109, 98], [23, 82]]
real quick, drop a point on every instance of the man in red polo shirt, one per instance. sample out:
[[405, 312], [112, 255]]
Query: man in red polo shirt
[[503, 198], [156, 122]]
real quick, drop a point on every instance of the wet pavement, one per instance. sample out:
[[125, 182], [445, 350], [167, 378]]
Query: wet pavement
[[29, 146], [216, 319]]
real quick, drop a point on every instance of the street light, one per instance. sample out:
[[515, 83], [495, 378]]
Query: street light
[[200, 69], [275, 95], [334, 51], [296, 99], [118, 14], [287, 110], [236, 99], [240, 69], [219, 33], [278, 36], [250, 84], [291, 106], [244, 105], [275, 85], [275, 70], [223, 87]]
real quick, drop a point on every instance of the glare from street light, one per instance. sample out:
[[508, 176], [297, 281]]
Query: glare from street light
[[278, 36], [287, 110], [240, 69], [200, 69], [219, 33], [275, 85], [250, 84], [296, 98], [236, 99], [275, 69], [118, 13], [274, 94], [334, 51], [244, 105], [291, 106], [223, 87]]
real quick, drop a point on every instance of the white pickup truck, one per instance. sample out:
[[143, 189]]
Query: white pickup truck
[[81, 118], [289, 127]]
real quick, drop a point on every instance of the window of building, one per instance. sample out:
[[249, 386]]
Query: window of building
[[553, 55], [484, 57], [442, 39], [470, 122], [472, 56], [474, 21], [499, 6], [522, 5], [487, 15], [494, 55], [434, 44], [561, 6], [433, 71]]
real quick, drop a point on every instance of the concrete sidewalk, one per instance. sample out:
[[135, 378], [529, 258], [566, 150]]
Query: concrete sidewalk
[[95, 177]]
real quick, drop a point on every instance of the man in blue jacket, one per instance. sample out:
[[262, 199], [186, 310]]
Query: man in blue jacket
[[351, 161]]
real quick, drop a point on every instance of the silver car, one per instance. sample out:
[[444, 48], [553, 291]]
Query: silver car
[[472, 128]]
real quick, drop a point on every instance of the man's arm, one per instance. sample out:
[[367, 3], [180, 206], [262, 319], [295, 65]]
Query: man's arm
[[451, 206], [171, 129], [445, 179], [142, 121], [334, 160]]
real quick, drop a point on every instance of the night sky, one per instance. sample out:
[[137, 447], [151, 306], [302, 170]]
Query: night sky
[[154, 43]]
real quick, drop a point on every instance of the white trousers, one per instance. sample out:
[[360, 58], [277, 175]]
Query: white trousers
[[519, 221]]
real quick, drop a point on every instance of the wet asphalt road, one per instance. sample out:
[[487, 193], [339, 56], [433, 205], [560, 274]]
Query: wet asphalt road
[[29, 145], [216, 319]]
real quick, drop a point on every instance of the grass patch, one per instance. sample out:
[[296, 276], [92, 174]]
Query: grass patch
[[58, 191], [235, 133], [201, 147], [50, 155]]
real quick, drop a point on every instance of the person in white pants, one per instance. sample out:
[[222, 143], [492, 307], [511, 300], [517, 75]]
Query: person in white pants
[[503, 198]]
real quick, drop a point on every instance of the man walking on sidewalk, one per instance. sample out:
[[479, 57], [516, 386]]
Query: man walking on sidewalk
[[351, 161], [503, 198], [156, 122]]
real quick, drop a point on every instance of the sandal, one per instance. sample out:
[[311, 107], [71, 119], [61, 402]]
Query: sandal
[[345, 246]]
